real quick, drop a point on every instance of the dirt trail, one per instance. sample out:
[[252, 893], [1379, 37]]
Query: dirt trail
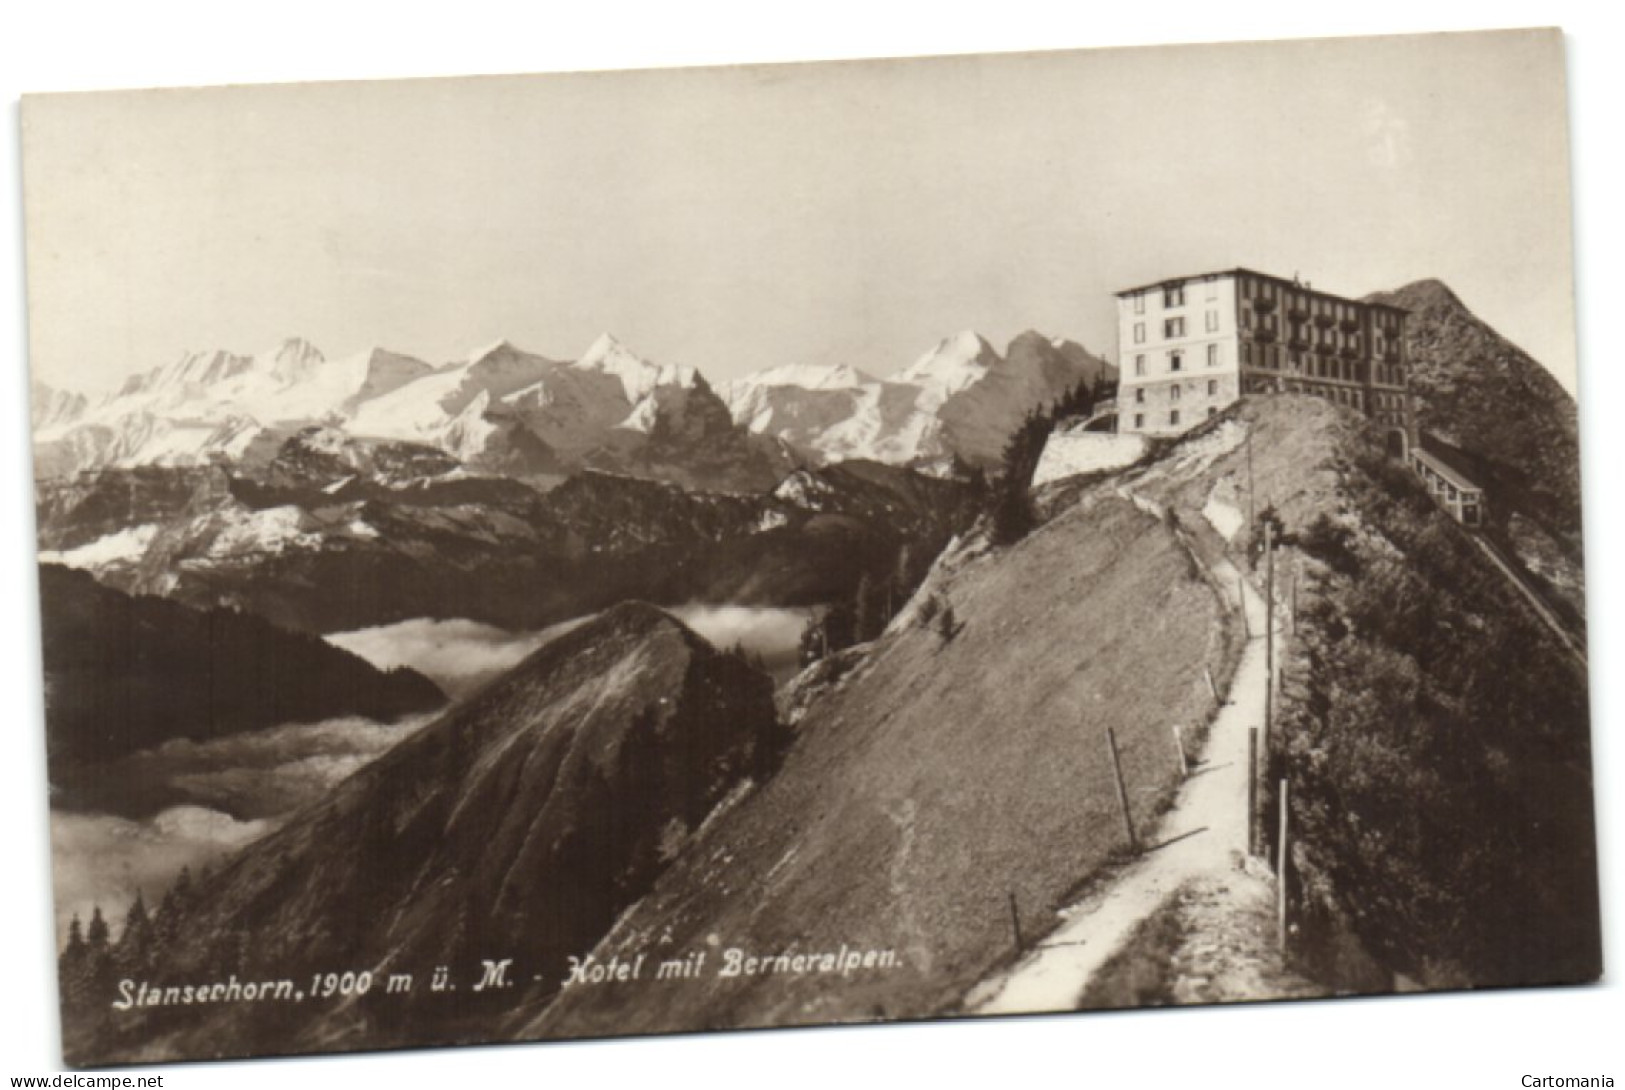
[[1201, 835]]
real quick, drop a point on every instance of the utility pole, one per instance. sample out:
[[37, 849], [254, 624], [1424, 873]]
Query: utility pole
[[1269, 627], [1122, 792]]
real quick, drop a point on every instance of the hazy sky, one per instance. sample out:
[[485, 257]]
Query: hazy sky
[[739, 218]]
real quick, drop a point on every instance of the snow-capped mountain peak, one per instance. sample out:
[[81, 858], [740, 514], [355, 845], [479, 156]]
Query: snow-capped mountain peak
[[194, 369], [604, 348], [955, 363], [809, 376], [55, 410], [638, 376], [294, 359]]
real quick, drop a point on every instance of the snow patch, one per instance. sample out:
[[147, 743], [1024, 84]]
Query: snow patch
[[802, 489], [273, 530], [1086, 452], [1224, 518], [124, 547]]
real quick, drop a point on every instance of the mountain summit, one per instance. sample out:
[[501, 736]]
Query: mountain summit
[[961, 399], [1502, 416]]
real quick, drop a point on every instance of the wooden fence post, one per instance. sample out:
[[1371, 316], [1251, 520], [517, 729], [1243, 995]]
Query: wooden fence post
[[1252, 790], [1297, 573], [1122, 791], [1212, 688], [1179, 748], [1281, 861], [1269, 629], [1015, 919]]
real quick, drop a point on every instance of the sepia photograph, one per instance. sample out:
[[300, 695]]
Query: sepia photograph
[[685, 548]]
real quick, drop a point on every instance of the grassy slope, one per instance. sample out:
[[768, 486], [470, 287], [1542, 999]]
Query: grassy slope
[[941, 777]]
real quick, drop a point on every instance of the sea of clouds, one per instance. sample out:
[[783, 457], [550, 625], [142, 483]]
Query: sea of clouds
[[461, 655]]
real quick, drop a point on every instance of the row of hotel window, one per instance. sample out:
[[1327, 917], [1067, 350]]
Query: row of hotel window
[[1173, 295], [1174, 328], [1173, 391], [1176, 359], [1339, 310], [1271, 356]]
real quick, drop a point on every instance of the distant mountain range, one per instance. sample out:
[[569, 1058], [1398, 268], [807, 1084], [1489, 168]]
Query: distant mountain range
[[337, 533], [504, 410], [961, 398]]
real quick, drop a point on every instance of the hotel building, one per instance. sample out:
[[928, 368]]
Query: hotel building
[[1190, 346]]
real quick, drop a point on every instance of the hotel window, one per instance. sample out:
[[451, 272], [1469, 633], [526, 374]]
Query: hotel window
[[1139, 332], [1139, 420], [1139, 302], [1173, 296], [1212, 410], [1212, 387], [1212, 321], [1173, 327], [1213, 355], [1212, 290], [1176, 361], [1173, 392], [1139, 364], [1139, 395], [1173, 417]]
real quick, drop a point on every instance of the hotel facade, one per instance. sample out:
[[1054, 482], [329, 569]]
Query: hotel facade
[[1190, 346]]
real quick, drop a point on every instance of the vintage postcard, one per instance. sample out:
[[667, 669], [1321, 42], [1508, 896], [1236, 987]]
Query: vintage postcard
[[542, 557]]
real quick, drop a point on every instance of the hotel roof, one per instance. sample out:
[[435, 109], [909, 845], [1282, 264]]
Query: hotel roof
[[1292, 285]]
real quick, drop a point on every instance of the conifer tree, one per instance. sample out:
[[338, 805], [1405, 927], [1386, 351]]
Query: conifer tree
[[72, 965], [96, 935], [76, 939], [166, 921], [135, 942], [863, 615]]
